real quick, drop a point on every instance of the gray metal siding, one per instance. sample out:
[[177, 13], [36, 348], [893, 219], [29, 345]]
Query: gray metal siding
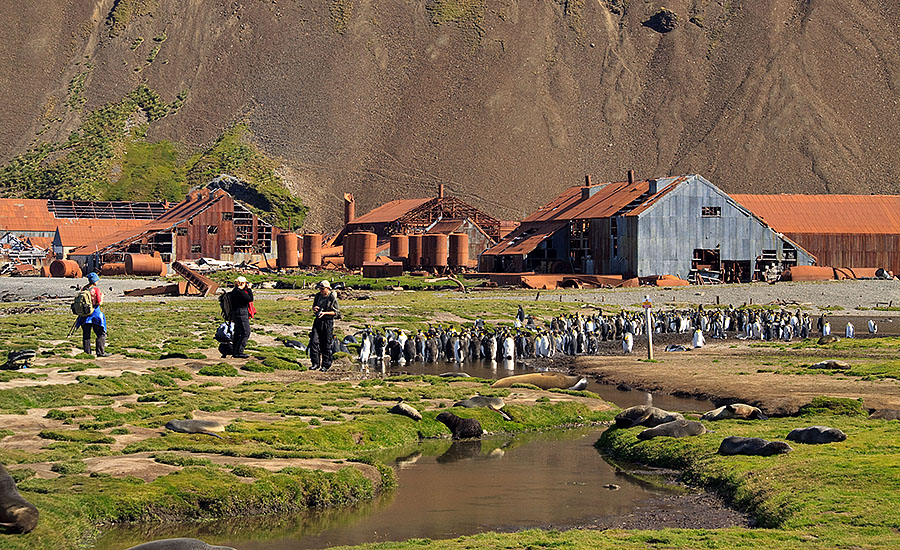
[[670, 230]]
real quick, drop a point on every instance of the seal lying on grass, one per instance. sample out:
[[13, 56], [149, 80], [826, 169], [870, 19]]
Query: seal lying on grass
[[885, 414], [17, 515], [544, 380], [752, 446], [677, 428], [735, 410], [831, 364], [493, 403], [403, 409], [645, 415], [178, 544], [206, 427], [816, 435], [461, 427]]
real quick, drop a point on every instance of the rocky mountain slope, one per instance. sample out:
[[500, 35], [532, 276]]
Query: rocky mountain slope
[[505, 101]]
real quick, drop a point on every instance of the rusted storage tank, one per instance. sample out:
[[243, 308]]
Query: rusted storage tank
[[287, 250], [113, 268], [65, 268], [143, 265], [367, 247], [415, 250], [436, 249], [459, 250], [312, 249], [350, 245], [399, 247]]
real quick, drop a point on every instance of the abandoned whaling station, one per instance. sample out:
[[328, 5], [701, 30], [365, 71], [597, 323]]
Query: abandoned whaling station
[[665, 231]]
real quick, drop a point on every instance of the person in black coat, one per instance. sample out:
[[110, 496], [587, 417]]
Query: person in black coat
[[326, 310], [241, 296]]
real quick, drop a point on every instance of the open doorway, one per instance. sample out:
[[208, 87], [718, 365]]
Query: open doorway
[[706, 266]]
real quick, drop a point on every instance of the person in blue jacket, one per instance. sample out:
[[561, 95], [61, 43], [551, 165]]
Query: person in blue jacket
[[96, 321]]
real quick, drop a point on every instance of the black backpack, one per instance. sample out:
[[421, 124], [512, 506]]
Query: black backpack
[[225, 305]]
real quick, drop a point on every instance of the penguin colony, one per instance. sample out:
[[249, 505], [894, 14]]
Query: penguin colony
[[573, 334]]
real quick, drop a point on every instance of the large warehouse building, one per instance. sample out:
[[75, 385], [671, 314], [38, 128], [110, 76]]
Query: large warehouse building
[[682, 226], [840, 230]]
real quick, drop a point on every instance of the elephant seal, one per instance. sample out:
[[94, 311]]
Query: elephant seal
[[406, 410], [645, 415], [207, 427], [17, 515], [828, 339], [735, 410], [752, 446], [462, 428], [816, 434], [493, 403], [885, 414], [178, 544], [544, 380], [831, 364], [676, 428], [455, 375]]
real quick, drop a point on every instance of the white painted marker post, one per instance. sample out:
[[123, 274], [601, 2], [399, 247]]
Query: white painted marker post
[[647, 306]]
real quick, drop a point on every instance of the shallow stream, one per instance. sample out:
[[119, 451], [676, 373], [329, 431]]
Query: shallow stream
[[445, 490]]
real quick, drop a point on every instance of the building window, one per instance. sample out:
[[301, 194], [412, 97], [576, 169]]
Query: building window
[[181, 231], [711, 211], [227, 216], [226, 249], [212, 229], [195, 249], [166, 258]]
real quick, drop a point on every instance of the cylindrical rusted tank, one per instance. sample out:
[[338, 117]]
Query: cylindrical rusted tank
[[143, 265], [113, 269], [415, 250], [399, 247], [312, 249], [350, 249], [65, 268], [437, 249], [368, 247], [287, 250], [459, 250]]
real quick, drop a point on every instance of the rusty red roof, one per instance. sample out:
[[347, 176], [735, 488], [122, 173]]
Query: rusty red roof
[[389, 211], [195, 203], [526, 238], [604, 200], [826, 214], [90, 230], [445, 226]]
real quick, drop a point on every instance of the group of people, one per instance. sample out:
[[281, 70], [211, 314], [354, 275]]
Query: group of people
[[240, 310]]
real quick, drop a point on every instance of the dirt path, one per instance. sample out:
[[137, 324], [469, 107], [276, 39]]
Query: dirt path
[[723, 373]]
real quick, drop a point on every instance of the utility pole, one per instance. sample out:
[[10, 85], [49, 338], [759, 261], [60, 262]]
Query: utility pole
[[648, 305]]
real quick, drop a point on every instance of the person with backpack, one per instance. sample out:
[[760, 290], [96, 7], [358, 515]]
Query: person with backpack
[[326, 310], [240, 298], [87, 307]]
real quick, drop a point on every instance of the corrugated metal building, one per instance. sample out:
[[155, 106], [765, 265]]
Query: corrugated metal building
[[841, 230], [682, 226], [70, 224], [207, 224]]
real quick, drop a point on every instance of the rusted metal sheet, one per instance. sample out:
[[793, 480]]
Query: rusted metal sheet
[[604, 200], [525, 239], [827, 214], [204, 284], [389, 211], [862, 250]]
